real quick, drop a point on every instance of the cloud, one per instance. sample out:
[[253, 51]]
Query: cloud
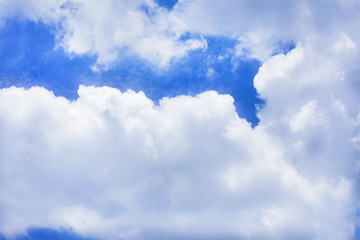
[[113, 164], [109, 29], [260, 26], [312, 107], [47, 11]]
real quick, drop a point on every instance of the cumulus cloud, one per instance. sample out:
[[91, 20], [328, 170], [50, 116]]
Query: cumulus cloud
[[114, 165], [109, 28], [312, 107]]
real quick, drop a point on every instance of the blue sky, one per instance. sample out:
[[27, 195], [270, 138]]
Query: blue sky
[[29, 59], [189, 119]]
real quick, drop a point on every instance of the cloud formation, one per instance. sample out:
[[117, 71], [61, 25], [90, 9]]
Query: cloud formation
[[112, 29], [114, 165]]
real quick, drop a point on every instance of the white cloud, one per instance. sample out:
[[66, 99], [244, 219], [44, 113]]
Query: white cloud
[[108, 29], [311, 109], [47, 11], [260, 26], [345, 43], [309, 116], [114, 164], [255, 45]]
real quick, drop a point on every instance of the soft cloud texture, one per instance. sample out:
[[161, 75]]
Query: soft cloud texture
[[115, 165], [311, 99], [108, 28], [261, 26]]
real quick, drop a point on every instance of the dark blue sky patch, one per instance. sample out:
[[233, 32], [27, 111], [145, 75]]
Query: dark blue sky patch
[[28, 58], [357, 227], [169, 4], [357, 234], [50, 234]]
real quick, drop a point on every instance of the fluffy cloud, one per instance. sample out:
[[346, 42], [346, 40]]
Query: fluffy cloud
[[311, 100], [109, 29], [114, 165], [262, 26]]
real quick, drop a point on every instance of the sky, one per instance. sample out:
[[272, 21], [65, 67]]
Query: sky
[[179, 119]]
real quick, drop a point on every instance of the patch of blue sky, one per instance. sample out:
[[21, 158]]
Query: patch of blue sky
[[48, 234], [357, 227], [29, 59], [357, 234], [45, 233], [169, 4]]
